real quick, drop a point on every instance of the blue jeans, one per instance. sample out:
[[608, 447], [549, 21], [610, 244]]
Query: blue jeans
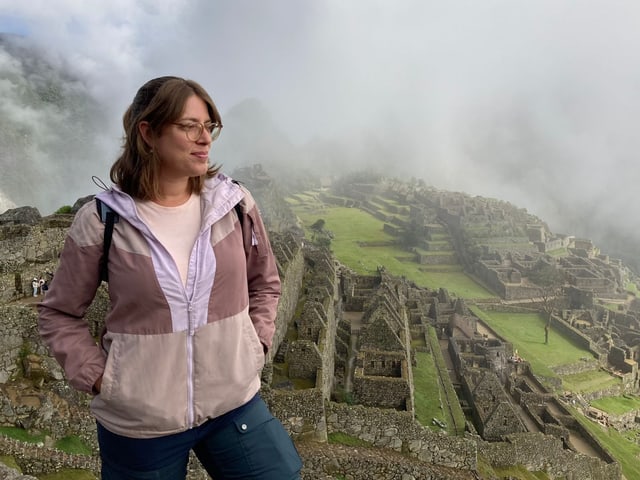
[[246, 443]]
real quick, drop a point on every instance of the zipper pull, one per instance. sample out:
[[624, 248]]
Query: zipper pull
[[191, 327]]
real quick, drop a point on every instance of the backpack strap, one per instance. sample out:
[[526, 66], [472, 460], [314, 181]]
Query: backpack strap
[[237, 206], [109, 218], [238, 209]]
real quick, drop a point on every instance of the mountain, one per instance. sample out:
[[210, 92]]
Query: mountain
[[48, 127]]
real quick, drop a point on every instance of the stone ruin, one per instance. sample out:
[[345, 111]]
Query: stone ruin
[[342, 362]]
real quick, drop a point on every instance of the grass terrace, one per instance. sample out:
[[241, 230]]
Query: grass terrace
[[526, 332], [618, 405], [360, 243]]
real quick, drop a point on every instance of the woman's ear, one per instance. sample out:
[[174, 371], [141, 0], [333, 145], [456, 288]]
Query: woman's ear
[[146, 133]]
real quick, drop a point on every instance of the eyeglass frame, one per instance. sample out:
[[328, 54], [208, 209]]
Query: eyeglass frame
[[188, 126]]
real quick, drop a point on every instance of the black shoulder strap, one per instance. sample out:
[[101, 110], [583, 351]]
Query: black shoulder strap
[[109, 218], [239, 213], [238, 207]]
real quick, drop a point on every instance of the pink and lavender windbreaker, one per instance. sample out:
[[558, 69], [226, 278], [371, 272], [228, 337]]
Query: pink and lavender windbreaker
[[172, 356]]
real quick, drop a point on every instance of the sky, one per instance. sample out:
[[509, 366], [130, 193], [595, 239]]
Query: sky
[[531, 101]]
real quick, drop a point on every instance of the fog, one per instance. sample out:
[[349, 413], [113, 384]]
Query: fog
[[534, 102]]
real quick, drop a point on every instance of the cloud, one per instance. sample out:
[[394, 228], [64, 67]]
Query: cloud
[[534, 102]]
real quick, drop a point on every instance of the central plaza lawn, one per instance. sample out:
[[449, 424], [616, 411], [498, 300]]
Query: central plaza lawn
[[618, 405], [359, 241], [526, 332]]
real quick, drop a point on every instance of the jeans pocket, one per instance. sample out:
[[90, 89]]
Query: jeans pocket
[[267, 445]]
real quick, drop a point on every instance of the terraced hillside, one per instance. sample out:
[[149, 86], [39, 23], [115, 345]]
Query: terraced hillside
[[364, 239], [366, 231]]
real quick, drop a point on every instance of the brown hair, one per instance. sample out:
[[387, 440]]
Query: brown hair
[[159, 102]]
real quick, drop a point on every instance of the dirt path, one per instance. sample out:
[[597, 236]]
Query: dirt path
[[30, 300]]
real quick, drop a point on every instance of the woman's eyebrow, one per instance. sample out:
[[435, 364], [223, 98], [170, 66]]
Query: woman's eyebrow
[[193, 119]]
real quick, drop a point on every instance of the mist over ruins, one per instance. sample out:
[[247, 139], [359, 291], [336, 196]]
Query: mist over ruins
[[55, 135]]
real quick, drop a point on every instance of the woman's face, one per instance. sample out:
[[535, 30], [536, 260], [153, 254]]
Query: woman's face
[[181, 157]]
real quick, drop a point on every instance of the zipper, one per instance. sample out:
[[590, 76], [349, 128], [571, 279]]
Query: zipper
[[191, 331], [190, 407]]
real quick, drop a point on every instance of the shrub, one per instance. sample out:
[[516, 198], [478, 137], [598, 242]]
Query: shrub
[[64, 209]]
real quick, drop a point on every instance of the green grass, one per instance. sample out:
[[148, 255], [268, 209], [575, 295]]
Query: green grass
[[22, 435], [618, 405], [614, 307], [429, 393], [587, 382], [69, 474], [10, 462], [526, 332], [440, 237], [625, 452], [426, 390], [353, 229], [73, 444], [345, 439], [453, 414], [70, 444]]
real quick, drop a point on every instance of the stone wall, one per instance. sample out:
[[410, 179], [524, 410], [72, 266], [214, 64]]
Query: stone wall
[[36, 459], [585, 365], [313, 354], [539, 452], [302, 412], [400, 432], [574, 335], [386, 392], [288, 252], [27, 252], [493, 414], [436, 259]]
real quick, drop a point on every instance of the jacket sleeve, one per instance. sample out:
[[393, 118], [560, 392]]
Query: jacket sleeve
[[61, 314], [262, 273]]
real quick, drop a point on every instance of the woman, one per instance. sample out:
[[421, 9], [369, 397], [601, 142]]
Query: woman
[[193, 291]]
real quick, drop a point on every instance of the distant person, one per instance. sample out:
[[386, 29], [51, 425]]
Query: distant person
[[34, 286], [41, 285], [193, 289]]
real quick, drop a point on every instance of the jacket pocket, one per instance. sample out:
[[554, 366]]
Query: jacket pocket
[[144, 384]]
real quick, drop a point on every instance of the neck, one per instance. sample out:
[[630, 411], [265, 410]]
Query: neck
[[168, 198]]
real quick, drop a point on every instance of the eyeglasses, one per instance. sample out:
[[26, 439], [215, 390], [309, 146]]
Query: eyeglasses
[[194, 129]]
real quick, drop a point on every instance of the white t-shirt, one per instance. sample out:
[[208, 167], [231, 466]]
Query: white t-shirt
[[176, 227]]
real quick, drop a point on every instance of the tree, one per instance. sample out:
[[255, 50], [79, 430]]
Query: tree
[[318, 226], [321, 236], [549, 281]]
